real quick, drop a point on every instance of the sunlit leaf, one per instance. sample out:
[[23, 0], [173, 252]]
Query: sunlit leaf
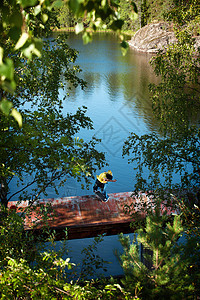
[[103, 3], [79, 27], [22, 40], [17, 116], [33, 48], [133, 16], [37, 10], [1, 55], [44, 18]]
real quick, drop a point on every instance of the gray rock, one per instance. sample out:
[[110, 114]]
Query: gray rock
[[154, 37], [197, 43]]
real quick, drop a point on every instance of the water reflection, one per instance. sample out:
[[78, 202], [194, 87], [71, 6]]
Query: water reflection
[[115, 77], [117, 98]]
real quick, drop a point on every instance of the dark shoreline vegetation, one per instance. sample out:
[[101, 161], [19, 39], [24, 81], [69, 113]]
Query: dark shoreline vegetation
[[128, 34], [72, 29]]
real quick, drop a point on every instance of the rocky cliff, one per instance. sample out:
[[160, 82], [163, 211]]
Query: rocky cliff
[[154, 37]]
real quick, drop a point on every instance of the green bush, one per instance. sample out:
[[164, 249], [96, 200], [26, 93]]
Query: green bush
[[31, 270], [158, 262]]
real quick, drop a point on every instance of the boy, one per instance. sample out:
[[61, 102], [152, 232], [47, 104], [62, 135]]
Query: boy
[[101, 182]]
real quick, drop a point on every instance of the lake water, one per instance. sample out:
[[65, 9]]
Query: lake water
[[117, 101]]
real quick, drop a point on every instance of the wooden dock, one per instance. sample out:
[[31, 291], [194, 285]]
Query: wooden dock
[[85, 216]]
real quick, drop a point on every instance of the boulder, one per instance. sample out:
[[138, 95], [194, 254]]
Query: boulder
[[156, 36], [197, 43], [153, 37]]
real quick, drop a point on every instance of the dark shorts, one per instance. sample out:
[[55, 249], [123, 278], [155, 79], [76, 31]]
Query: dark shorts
[[97, 185]]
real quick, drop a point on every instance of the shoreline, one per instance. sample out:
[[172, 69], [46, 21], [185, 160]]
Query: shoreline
[[71, 29]]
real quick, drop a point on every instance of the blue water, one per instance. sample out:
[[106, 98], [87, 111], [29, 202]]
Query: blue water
[[105, 250], [117, 101]]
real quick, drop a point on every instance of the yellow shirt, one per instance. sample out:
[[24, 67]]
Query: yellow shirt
[[102, 176]]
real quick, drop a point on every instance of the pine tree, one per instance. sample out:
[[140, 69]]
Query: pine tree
[[154, 259]]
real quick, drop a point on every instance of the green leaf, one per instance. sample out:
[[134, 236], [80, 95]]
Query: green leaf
[[87, 38], [9, 86], [44, 18], [76, 7], [103, 3], [124, 47], [14, 33], [116, 25], [16, 19], [5, 15], [33, 48], [37, 10], [134, 7], [38, 44], [79, 27], [6, 106], [7, 69], [133, 16], [1, 55], [17, 116], [28, 3], [57, 4], [22, 40]]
